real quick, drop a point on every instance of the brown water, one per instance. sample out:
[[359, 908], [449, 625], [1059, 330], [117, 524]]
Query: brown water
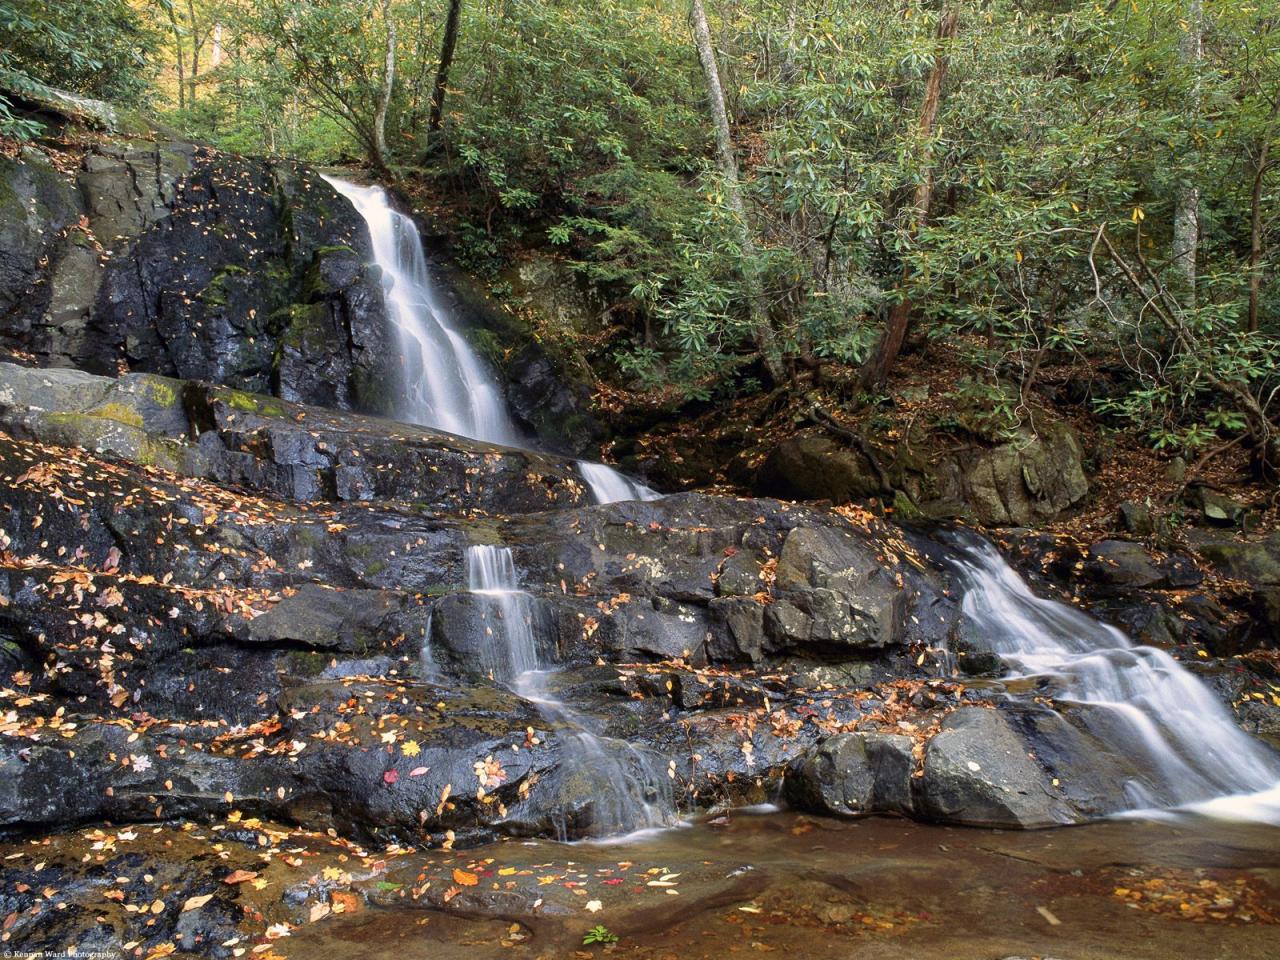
[[808, 888]]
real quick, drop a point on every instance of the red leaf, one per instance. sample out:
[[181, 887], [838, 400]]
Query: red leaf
[[391, 776]]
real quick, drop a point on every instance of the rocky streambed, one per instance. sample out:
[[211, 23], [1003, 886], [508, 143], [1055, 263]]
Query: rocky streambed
[[247, 687]]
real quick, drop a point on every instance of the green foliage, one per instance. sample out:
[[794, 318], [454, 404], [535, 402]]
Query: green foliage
[[1068, 136], [96, 48], [599, 934]]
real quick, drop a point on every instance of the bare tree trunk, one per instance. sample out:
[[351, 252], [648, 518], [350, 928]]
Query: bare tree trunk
[[765, 338], [447, 46], [177, 47], [1255, 213], [196, 44], [1186, 217], [876, 370], [384, 98]]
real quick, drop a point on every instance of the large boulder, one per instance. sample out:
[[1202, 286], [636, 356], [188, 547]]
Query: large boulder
[[834, 595], [1024, 481], [818, 467], [854, 774], [978, 771]]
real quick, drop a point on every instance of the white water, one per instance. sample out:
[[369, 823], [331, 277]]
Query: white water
[[628, 792], [1141, 702], [607, 485], [447, 385]]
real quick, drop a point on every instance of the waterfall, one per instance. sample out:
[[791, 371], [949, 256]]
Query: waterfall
[[627, 789], [448, 386], [607, 485], [1140, 701]]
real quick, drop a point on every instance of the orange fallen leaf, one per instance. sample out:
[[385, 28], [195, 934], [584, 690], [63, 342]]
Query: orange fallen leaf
[[464, 878]]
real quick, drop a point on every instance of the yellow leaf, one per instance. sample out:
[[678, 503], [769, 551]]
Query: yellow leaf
[[464, 878], [195, 903]]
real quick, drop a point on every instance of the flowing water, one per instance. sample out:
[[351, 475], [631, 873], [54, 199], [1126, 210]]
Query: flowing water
[[627, 788], [447, 385], [1139, 700], [607, 485]]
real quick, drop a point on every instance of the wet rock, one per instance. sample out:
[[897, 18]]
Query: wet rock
[[1119, 563], [854, 774], [817, 467], [1021, 482], [977, 771], [833, 594], [275, 447], [349, 621]]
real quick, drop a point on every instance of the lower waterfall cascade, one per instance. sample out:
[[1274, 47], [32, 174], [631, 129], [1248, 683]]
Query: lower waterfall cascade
[[1139, 700], [629, 789]]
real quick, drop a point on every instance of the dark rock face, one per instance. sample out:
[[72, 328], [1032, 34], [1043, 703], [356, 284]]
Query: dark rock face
[[196, 265], [1018, 483], [854, 774]]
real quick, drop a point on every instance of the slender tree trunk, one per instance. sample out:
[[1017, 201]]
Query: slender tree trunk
[[196, 45], [181, 60], [1186, 216], [447, 46], [1255, 214], [765, 338], [876, 370], [384, 98]]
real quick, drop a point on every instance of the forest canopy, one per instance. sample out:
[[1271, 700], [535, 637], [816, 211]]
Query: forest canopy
[[796, 186]]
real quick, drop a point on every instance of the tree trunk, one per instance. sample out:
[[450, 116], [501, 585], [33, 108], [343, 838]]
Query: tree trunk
[[177, 48], [1255, 214], [196, 45], [384, 98], [765, 338], [876, 370], [447, 47], [1186, 217]]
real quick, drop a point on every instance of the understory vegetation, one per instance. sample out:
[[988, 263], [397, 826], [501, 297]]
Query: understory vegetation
[[772, 194]]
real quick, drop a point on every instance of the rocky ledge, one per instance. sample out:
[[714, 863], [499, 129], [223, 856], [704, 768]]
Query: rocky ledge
[[229, 601]]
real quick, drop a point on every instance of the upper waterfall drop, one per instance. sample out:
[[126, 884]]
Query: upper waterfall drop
[[1138, 700], [447, 385]]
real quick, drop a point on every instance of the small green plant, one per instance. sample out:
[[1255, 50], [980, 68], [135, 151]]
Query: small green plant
[[599, 934]]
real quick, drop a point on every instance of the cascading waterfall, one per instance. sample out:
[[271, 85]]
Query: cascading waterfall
[[607, 485], [448, 386], [1139, 700], [628, 792]]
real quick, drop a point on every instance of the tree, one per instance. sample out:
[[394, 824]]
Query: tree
[[341, 56], [876, 371], [1186, 217], [447, 47], [765, 337]]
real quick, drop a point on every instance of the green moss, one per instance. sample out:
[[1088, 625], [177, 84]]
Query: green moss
[[375, 568], [307, 663], [118, 412], [160, 390], [251, 402]]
